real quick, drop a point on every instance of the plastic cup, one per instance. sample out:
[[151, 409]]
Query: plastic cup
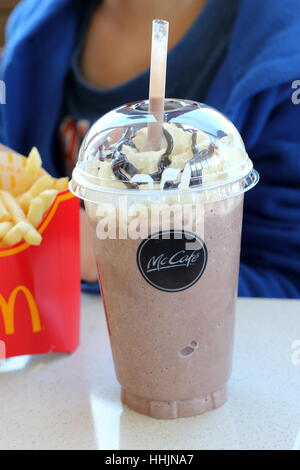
[[167, 250]]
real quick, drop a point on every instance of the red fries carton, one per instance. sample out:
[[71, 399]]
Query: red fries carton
[[40, 285]]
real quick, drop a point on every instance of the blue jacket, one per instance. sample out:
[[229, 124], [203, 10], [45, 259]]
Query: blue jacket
[[253, 88]]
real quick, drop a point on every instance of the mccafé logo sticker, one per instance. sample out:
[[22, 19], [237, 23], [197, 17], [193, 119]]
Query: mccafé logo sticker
[[8, 310], [172, 261]]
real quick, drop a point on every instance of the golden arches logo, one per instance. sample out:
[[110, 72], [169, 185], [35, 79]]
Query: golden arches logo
[[8, 310]]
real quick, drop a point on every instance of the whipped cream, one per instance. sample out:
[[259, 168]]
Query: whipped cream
[[187, 157]]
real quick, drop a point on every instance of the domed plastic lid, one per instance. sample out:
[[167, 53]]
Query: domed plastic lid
[[201, 150]]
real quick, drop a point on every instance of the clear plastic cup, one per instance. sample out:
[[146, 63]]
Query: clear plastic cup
[[167, 230]]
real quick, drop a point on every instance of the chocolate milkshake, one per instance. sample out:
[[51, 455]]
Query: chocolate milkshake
[[167, 234]]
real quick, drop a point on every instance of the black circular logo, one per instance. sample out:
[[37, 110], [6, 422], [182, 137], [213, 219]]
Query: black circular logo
[[173, 260]]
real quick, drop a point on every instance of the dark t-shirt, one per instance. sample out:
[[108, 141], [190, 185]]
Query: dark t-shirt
[[192, 66]]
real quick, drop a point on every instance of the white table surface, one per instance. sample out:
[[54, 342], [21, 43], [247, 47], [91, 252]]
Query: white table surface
[[72, 401]]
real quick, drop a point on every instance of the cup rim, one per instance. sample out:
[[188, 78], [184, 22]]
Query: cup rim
[[85, 190]]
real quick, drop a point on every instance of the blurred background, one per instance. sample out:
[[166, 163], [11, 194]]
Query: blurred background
[[6, 7]]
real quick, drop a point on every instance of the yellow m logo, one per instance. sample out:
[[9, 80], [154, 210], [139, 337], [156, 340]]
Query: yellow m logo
[[8, 310]]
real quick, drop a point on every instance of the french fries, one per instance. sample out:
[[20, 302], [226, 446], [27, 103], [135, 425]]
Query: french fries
[[41, 184], [23, 208], [4, 214], [22, 228], [32, 170], [15, 234], [4, 228], [40, 205], [34, 161], [61, 184]]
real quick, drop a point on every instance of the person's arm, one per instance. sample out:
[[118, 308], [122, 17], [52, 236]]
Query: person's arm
[[271, 234]]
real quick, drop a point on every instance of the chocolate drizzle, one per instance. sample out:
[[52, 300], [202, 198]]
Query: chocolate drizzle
[[171, 185], [199, 157], [100, 153], [165, 161], [121, 164], [122, 167], [195, 162]]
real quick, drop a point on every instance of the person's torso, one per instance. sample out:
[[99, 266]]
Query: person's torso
[[192, 65]]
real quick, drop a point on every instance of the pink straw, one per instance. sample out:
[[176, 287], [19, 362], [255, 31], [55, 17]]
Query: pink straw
[[159, 52]]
